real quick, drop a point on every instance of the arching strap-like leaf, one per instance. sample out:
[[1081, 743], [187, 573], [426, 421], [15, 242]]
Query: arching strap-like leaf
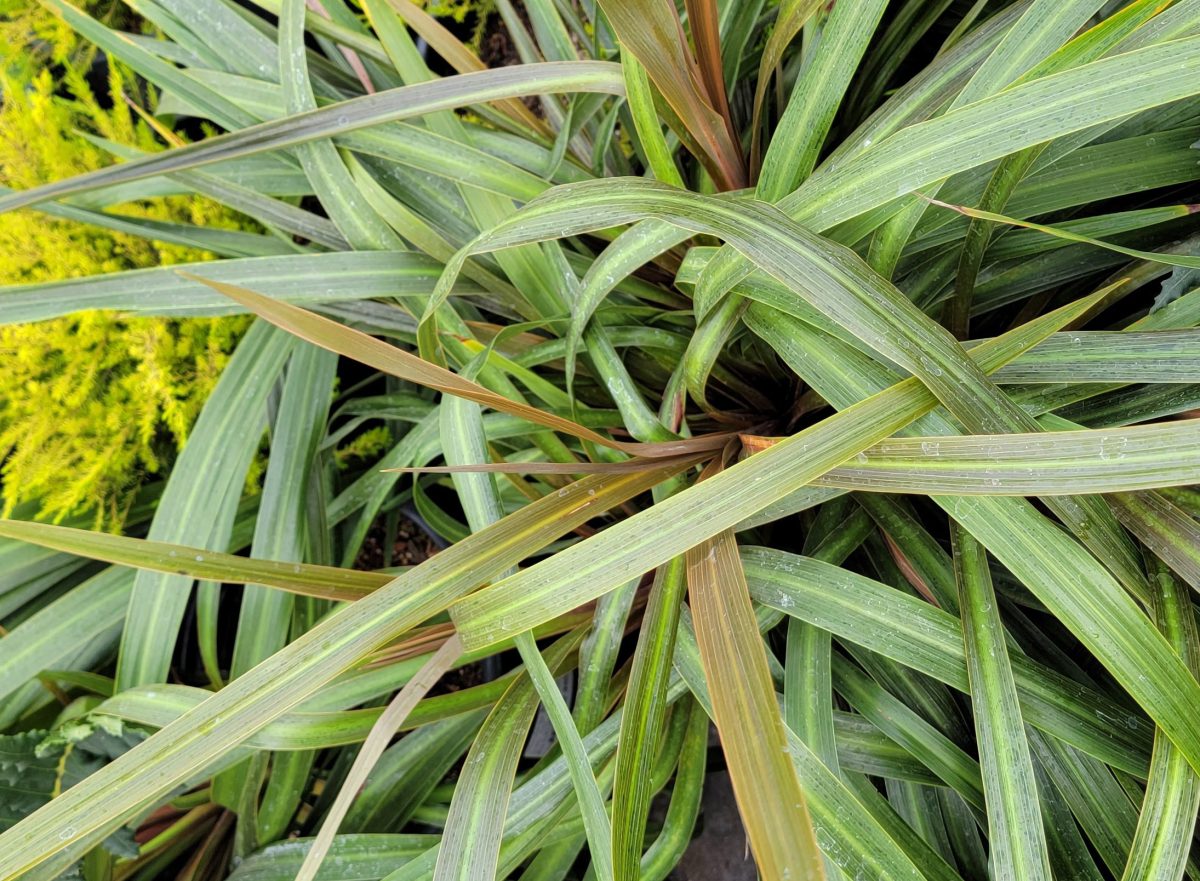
[[651, 31], [632, 248], [1015, 832], [918, 635], [381, 735], [301, 578], [831, 277], [228, 718], [405, 102], [1171, 532], [653, 536], [1050, 463], [1021, 116], [542, 467], [366, 349], [1163, 841], [747, 715], [475, 823], [458, 56], [1067, 235], [315, 278]]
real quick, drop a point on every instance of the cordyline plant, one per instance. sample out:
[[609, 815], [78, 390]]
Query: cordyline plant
[[722, 347]]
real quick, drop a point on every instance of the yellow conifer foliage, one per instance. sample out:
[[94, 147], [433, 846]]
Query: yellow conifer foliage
[[92, 403]]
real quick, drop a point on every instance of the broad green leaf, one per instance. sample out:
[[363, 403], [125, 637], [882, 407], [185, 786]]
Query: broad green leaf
[[1098, 356], [645, 121], [1088, 600], [686, 793], [945, 759], [242, 46], [447, 157], [293, 732], [1058, 463], [1040, 30], [587, 792], [363, 856]]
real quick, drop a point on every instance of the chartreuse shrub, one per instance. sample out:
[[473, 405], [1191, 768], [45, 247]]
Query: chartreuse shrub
[[825, 372], [90, 403]]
